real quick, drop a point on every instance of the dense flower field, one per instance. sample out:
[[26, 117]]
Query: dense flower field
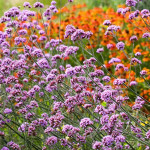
[[100, 38], [75, 78]]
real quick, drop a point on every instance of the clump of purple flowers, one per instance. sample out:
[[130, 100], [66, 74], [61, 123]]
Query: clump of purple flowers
[[49, 103]]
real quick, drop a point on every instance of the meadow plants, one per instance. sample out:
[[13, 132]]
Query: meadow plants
[[51, 99]]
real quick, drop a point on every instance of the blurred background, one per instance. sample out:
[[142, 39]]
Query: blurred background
[[6, 4]]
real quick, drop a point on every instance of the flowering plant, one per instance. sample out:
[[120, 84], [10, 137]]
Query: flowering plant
[[51, 99]]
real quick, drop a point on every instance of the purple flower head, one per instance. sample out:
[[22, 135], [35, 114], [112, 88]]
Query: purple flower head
[[97, 145], [7, 111], [44, 115], [70, 130], [53, 3], [99, 50], [100, 109], [33, 38], [99, 72], [55, 120], [143, 72], [145, 15], [88, 34], [51, 140], [133, 83], [97, 97], [42, 122], [41, 32], [42, 38], [5, 45], [106, 95], [119, 99], [114, 60], [22, 32], [107, 140], [146, 35], [85, 122], [27, 4], [34, 104], [13, 145], [70, 29], [120, 138], [135, 60], [107, 22], [37, 53], [119, 66], [120, 45], [133, 38], [23, 127], [135, 129], [118, 146], [64, 142], [113, 28], [52, 7], [71, 50], [70, 71], [57, 105], [125, 10], [78, 34], [48, 130], [50, 77], [148, 134], [114, 118], [137, 106], [44, 148], [136, 13], [131, 16], [109, 46], [106, 78], [54, 43], [119, 10], [55, 10], [104, 119], [38, 5], [5, 148], [6, 52], [138, 54], [12, 12], [144, 11], [139, 101], [70, 1], [119, 81], [43, 63], [131, 3]]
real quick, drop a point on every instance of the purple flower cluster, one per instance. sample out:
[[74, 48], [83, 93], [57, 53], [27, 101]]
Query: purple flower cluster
[[51, 141], [119, 81], [131, 2], [146, 35], [133, 38], [120, 46], [135, 60], [97, 145], [99, 50], [107, 140], [114, 60], [85, 122], [76, 34]]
